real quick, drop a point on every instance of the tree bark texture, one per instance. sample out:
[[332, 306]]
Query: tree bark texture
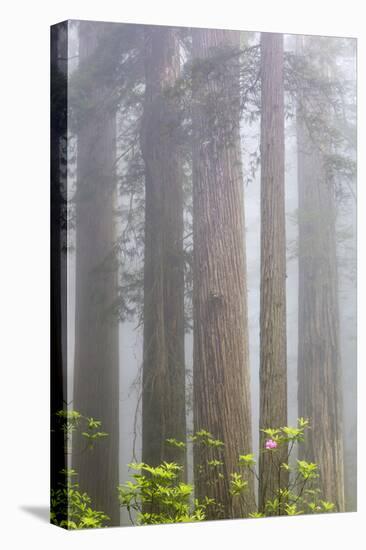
[[163, 393], [96, 389], [221, 357], [319, 390], [319, 378], [273, 361]]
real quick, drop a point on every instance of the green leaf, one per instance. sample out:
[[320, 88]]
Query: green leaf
[[175, 443], [215, 463], [247, 460], [291, 510], [308, 470], [327, 506], [136, 465], [256, 515], [237, 484]]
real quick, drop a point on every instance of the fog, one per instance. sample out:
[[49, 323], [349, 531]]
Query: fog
[[107, 83]]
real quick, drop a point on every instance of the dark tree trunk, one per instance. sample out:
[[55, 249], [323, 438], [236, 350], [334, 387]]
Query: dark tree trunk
[[96, 390], [273, 363], [59, 42], [221, 357], [163, 395]]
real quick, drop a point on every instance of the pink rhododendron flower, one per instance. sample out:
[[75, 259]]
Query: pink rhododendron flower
[[270, 444]]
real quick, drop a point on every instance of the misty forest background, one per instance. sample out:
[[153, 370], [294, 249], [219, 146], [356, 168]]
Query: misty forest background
[[203, 251]]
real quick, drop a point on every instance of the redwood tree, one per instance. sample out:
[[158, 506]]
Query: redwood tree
[[319, 387], [221, 355], [273, 364], [163, 392], [96, 378]]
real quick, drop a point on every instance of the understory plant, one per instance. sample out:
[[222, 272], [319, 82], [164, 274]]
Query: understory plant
[[69, 421], [159, 494], [71, 508], [301, 494]]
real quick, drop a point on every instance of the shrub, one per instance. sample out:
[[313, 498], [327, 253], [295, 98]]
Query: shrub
[[71, 508], [158, 495]]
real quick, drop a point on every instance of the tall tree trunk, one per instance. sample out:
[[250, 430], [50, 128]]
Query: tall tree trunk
[[163, 397], [96, 390], [59, 68], [221, 357], [319, 389], [273, 362]]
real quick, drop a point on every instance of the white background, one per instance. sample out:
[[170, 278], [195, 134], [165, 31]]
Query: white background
[[24, 285]]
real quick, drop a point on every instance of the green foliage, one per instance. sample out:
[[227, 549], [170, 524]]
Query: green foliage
[[327, 506], [94, 436], [270, 433], [301, 494], [288, 434], [72, 509], [307, 470], [70, 421], [205, 438], [175, 443], [247, 460], [215, 463], [291, 509], [237, 484], [256, 515], [158, 494]]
